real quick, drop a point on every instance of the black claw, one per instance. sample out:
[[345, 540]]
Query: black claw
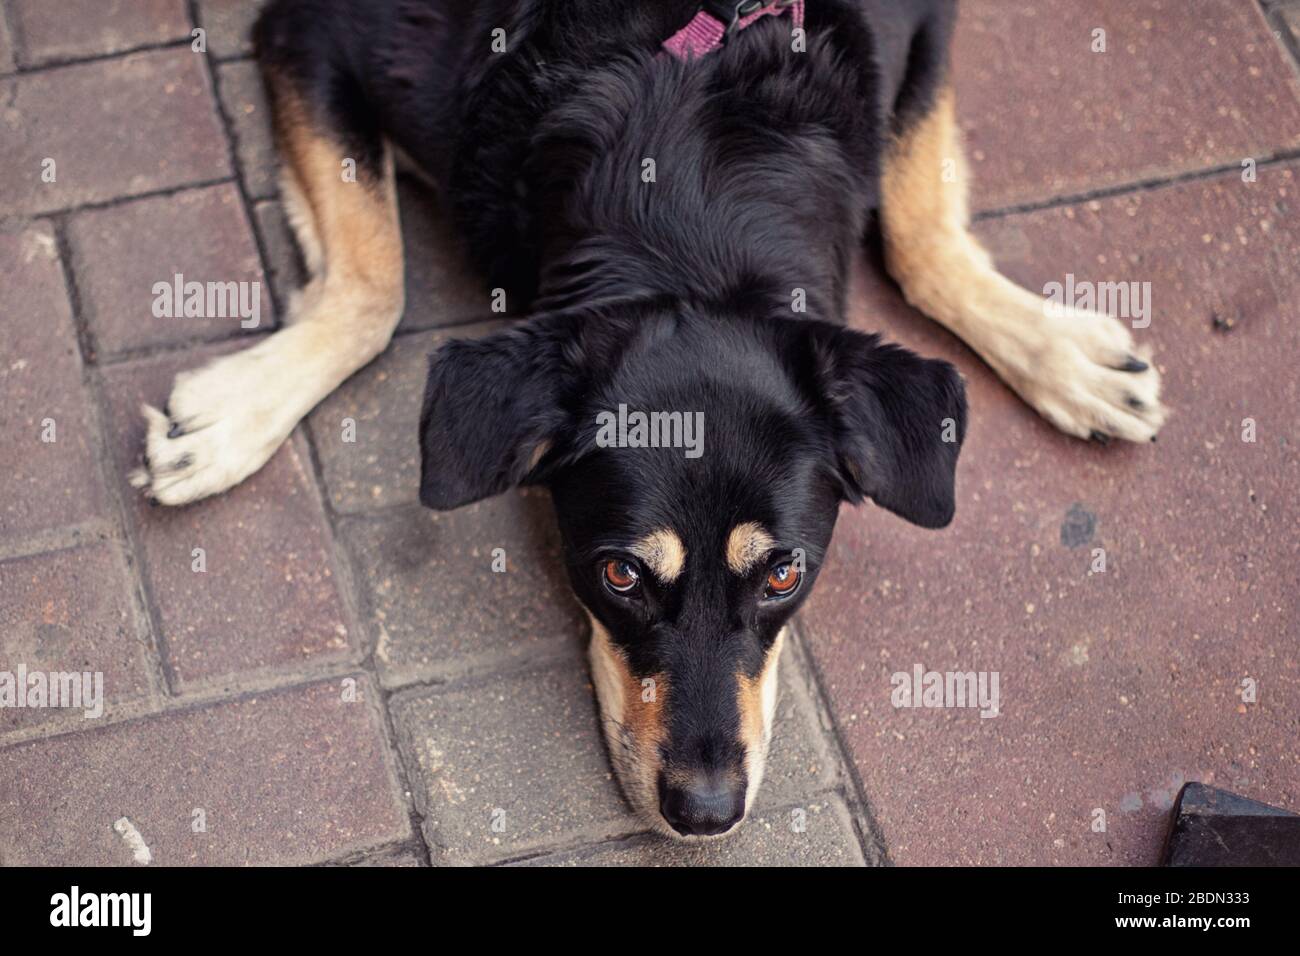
[[183, 462], [1100, 437], [1135, 403], [175, 431], [1134, 364], [153, 502]]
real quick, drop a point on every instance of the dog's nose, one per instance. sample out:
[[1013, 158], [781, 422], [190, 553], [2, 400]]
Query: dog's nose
[[702, 808]]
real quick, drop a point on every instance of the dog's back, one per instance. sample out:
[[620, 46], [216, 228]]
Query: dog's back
[[473, 91]]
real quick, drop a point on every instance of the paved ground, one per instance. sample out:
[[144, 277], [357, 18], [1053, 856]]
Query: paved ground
[[348, 681]]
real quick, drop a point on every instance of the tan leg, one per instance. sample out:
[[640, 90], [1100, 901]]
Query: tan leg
[[302, 220], [1078, 369], [228, 418]]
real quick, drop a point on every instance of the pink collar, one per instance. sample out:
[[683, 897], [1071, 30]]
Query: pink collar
[[718, 19]]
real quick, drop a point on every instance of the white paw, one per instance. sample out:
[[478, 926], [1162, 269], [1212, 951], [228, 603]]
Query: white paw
[[223, 422], [1081, 371]]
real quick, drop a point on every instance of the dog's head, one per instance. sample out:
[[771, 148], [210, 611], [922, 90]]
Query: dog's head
[[696, 464]]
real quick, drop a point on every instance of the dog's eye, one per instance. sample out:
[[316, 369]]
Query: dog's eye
[[782, 581], [621, 577]]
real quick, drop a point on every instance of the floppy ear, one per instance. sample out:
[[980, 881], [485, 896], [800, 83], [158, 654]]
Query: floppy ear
[[492, 408], [899, 422]]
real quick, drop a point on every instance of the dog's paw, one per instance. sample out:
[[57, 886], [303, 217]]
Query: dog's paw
[[218, 430], [1082, 372]]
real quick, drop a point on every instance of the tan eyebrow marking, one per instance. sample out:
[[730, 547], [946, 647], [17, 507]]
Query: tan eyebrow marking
[[663, 553], [746, 545]]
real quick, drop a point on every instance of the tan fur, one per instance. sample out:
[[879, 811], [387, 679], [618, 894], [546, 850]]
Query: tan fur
[[538, 454], [663, 553], [757, 699], [235, 412], [297, 212], [1065, 366], [746, 545], [634, 727]]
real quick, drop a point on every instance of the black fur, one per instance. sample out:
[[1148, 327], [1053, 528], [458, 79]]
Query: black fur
[[675, 295]]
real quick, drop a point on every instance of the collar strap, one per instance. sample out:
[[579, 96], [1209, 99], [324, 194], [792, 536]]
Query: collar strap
[[716, 20]]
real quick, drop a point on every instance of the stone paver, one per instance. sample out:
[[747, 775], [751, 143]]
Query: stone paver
[[405, 858], [522, 753], [121, 252], [113, 128], [530, 746], [1290, 15], [283, 263], [799, 762], [228, 23], [818, 834], [44, 483], [368, 431], [244, 100], [441, 289], [71, 612], [294, 776], [435, 605], [270, 595], [6, 47], [1183, 84], [1116, 686], [71, 29]]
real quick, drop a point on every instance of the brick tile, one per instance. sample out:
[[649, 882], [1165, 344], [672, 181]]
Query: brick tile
[[283, 262], [530, 744], [404, 858], [527, 745], [244, 100], [1290, 18], [817, 834], [270, 595], [436, 606], [71, 29], [1184, 84], [114, 128], [6, 47], [799, 763], [290, 777], [42, 484], [1116, 686], [229, 23], [381, 467], [441, 288], [120, 252], [71, 611]]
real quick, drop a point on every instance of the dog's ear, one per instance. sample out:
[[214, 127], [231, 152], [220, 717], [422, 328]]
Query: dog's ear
[[492, 411], [898, 421]]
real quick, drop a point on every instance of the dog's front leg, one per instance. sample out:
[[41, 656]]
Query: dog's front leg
[[1079, 369], [224, 421]]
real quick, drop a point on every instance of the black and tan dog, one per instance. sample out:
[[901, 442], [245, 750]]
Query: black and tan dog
[[680, 222]]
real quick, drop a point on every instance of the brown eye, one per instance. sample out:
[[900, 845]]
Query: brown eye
[[782, 581], [621, 577]]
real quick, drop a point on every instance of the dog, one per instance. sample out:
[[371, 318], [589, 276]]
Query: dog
[[674, 194]]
